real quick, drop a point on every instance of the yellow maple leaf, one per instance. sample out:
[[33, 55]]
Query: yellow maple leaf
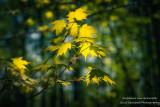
[[86, 31], [19, 63], [63, 48], [73, 27], [58, 26], [78, 14], [87, 48]]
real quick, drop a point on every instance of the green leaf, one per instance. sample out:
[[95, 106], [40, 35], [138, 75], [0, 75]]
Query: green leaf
[[62, 49]]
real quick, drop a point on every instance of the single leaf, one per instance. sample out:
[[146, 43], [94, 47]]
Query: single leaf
[[87, 48], [63, 48], [96, 75], [21, 64], [73, 27], [78, 14], [58, 26], [86, 31]]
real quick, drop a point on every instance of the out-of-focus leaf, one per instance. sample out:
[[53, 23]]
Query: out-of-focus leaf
[[78, 14], [43, 67], [63, 82], [21, 64]]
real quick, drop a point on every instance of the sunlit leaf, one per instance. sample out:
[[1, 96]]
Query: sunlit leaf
[[78, 14], [94, 50], [58, 26], [73, 27], [63, 48], [21, 64], [86, 31], [85, 49]]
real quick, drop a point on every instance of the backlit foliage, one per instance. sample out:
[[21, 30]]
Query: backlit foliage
[[82, 43]]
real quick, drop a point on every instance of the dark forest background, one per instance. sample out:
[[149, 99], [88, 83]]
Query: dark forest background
[[130, 28]]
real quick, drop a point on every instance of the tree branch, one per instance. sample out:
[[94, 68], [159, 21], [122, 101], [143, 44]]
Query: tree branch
[[112, 8]]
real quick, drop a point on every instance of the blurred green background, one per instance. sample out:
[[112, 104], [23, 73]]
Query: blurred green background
[[130, 28]]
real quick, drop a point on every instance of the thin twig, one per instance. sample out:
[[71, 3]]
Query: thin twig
[[112, 8], [37, 93]]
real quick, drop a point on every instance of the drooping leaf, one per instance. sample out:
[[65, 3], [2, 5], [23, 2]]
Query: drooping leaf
[[21, 64], [85, 49], [86, 31], [58, 26], [78, 14], [96, 75], [43, 67], [73, 27]]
